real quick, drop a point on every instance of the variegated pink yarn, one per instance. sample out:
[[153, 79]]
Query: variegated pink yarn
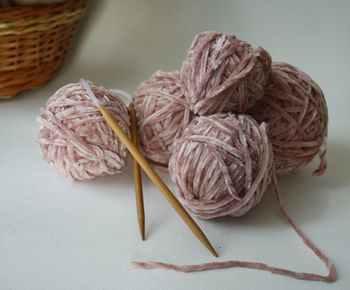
[[162, 114], [222, 73], [221, 165], [74, 137], [296, 112]]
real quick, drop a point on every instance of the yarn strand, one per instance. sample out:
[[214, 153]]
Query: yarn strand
[[323, 161], [295, 109], [330, 277]]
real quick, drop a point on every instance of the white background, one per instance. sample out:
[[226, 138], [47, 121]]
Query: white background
[[59, 234]]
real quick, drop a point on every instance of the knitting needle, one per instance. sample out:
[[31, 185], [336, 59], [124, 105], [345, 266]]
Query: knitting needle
[[137, 174], [150, 171]]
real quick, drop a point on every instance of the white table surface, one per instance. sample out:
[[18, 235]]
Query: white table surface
[[59, 234]]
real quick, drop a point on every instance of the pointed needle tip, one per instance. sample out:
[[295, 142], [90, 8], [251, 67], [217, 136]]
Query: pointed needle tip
[[89, 91], [212, 250]]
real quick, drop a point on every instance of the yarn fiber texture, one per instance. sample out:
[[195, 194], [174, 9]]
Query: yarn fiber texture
[[222, 73], [295, 109], [162, 114], [221, 165], [331, 275], [74, 137]]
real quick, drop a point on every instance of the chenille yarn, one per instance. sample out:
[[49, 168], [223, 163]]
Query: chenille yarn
[[162, 114], [296, 112], [329, 277], [221, 165], [222, 73], [74, 137]]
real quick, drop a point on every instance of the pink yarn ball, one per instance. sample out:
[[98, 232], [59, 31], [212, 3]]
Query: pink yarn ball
[[162, 114], [221, 165], [295, 109], [222, 73], [74, 137]]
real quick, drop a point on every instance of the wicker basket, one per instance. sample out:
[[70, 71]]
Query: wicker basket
[[33, 43]]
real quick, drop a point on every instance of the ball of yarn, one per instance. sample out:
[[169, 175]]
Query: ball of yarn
[[162, 114], [296, 112], [222, 73], [221, 165], [74, 137]]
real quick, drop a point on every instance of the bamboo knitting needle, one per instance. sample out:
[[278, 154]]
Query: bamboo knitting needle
[[137, 174], [150, 171]]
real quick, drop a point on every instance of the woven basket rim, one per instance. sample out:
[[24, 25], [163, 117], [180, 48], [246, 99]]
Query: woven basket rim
[[34, 40], [37, 7], [42, 17]]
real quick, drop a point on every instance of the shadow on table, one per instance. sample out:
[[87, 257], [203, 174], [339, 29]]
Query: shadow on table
[[338, 165]]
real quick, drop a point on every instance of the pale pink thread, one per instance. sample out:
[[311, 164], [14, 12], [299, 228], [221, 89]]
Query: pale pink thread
[[222, 73], [162, 114], [295, 109], [74, 137], [221, 165]]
